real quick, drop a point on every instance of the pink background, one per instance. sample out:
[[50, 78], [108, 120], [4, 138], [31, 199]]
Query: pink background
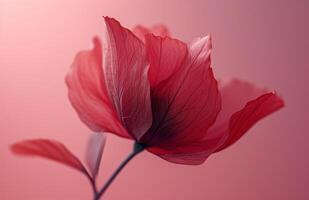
[[262, 41]]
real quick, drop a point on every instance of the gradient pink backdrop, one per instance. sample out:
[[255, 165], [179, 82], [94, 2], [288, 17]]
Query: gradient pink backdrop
[[262, 41]]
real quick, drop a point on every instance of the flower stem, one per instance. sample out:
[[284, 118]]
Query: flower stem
[[93, 184], [136, 150]]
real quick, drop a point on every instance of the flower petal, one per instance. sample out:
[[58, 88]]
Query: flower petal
[[87, 92], [165, 55], [48, 149], [242, 106], [94, 152], [158, 30], [125, 68], [186, 104], [193, 153], [232, 122]]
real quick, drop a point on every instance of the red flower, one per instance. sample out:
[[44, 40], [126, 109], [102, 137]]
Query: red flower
[[162, 93]]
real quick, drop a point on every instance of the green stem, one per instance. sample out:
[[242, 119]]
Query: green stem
[[136, 150]]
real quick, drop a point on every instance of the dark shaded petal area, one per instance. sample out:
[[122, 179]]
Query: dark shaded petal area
[[185, 105]]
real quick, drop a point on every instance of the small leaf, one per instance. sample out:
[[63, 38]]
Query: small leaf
[[49, 149], [94, 152]]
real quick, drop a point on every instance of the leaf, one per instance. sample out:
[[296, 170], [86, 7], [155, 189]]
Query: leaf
[[49, 149], [94, 152]]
